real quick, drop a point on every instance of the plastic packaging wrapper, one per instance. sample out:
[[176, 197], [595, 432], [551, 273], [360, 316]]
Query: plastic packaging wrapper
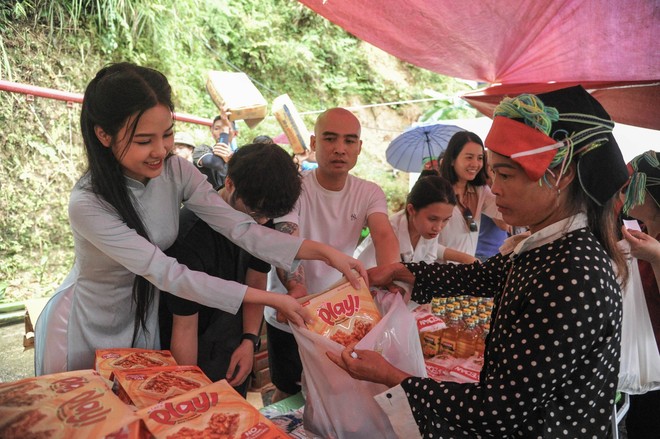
[[146, 387], [343, 314], [76, 404], [639, 370], [214, 411], [287, 415], [427, 322], [342, 407], [109, 360]]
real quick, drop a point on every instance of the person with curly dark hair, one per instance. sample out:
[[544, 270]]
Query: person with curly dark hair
[[263, 182]]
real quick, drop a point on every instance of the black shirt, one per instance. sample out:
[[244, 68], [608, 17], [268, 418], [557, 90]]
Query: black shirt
[[201, 248]]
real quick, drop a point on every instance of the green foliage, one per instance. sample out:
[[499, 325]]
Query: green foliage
[[36, 165], [282, 45]]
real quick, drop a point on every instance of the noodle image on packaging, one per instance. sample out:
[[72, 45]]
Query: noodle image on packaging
[[342, 313], [145, 387], [109, 360]]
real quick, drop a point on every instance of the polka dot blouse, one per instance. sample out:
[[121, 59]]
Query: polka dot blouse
[[552, 357]]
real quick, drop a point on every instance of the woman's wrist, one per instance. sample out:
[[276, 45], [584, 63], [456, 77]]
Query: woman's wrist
[[395, 377], [313, 250]]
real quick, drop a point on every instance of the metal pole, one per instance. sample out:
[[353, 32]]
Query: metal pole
[[31, 91]]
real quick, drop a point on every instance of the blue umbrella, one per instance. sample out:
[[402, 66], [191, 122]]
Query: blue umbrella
[[409, 149]]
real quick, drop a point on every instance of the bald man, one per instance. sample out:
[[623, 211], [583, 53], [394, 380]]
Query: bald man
[[333, 208]]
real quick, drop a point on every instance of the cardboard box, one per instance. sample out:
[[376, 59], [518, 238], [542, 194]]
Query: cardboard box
[[33, 309], [235, 93], [260, 361], [261, 378], [264, 343], [292, 124]]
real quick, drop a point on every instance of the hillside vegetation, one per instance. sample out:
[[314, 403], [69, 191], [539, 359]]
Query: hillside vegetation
[[283, 46]]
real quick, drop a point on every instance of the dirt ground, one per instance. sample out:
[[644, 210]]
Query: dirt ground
[[16, 362]]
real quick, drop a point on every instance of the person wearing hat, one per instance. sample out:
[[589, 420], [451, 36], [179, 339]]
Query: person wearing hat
[[184, 145], [552, 356], [641, 201]]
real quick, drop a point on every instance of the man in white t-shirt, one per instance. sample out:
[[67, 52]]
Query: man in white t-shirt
[[333, 209]]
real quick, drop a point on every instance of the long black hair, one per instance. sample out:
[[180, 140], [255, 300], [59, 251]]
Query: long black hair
[[118, 92], [454, 148], [431, 189]]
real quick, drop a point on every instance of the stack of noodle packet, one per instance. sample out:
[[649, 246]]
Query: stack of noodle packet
[[109, 360], [145, 387], [75, 404]]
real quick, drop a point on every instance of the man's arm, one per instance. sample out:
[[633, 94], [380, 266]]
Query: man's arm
[[213, 161], [242, 358], [293, 282], [385, 241], [223, 151], [184, 339], [185, 313], [253, 314], [222, 148]]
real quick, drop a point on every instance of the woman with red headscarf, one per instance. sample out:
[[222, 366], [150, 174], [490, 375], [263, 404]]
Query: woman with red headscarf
[[552, 357]]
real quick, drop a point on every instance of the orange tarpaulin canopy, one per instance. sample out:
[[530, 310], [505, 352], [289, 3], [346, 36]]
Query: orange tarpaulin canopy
[[609, 46]]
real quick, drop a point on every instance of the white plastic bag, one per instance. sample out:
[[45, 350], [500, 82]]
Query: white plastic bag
[[640, 361], [341, 407]]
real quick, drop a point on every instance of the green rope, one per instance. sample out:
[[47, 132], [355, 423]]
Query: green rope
[[535, 114], [639, 181], [564, 155], [635, 192], [649, 156], [529, 108]]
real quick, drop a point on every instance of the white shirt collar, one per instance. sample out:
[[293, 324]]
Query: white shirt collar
[[518, 244]]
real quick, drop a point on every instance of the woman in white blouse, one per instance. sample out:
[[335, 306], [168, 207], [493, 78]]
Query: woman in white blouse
[[429, 207], [125, 210]]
